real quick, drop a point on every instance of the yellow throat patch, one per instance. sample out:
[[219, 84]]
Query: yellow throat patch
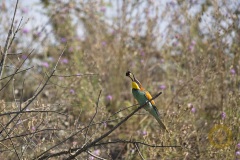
[[135, 86]]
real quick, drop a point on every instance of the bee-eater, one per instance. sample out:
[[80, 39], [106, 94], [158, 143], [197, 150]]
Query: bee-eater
[[142, 96]]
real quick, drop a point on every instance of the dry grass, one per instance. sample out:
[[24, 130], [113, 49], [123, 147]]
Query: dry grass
[[195, 62]]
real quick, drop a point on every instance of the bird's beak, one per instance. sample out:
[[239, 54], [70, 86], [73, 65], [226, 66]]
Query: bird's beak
[[130, 75]]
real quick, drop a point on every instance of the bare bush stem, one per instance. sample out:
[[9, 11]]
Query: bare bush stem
[[32, 99], [4, 56], [93, 143]]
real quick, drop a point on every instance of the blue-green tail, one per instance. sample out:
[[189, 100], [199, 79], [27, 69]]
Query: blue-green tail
[[156, 115]]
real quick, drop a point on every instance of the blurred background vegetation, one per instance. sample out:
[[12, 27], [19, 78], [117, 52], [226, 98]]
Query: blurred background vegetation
[[187, 49]]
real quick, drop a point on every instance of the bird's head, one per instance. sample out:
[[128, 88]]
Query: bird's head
[[135, 83]]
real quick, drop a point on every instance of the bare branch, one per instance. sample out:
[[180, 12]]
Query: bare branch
[[123, 110], [15, 54], [33, 111], [93, 116], [136, 142], [139, 151], [14, 35], [93, 143], [12, 145], [33, 98], [31, 133], [96, 156], [74, 134], [16, 71], [3, 60], [110, 131], [76, 75], [105, 143]]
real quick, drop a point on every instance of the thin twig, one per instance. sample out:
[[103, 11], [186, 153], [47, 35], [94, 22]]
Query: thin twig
[[76, 75], [15, 54], [19, 107], [93, 116], [41, 157], [110, 131], [136, 142], [33, 98], [96, 156], [14, 35], [17, 73], [123, 110], [31, 137], [105, 143], [136, 145], [15, 150], [13, 90], [4, 57], [21, 98], [83, 149], [57, 85], [31, 133], [71, 136], [55, 68], [32, 111]]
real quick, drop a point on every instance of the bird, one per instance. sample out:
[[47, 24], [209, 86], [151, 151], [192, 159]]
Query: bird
[[142, 96]]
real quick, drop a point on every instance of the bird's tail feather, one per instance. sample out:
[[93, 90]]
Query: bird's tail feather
[[157, 117], [161, 124]]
